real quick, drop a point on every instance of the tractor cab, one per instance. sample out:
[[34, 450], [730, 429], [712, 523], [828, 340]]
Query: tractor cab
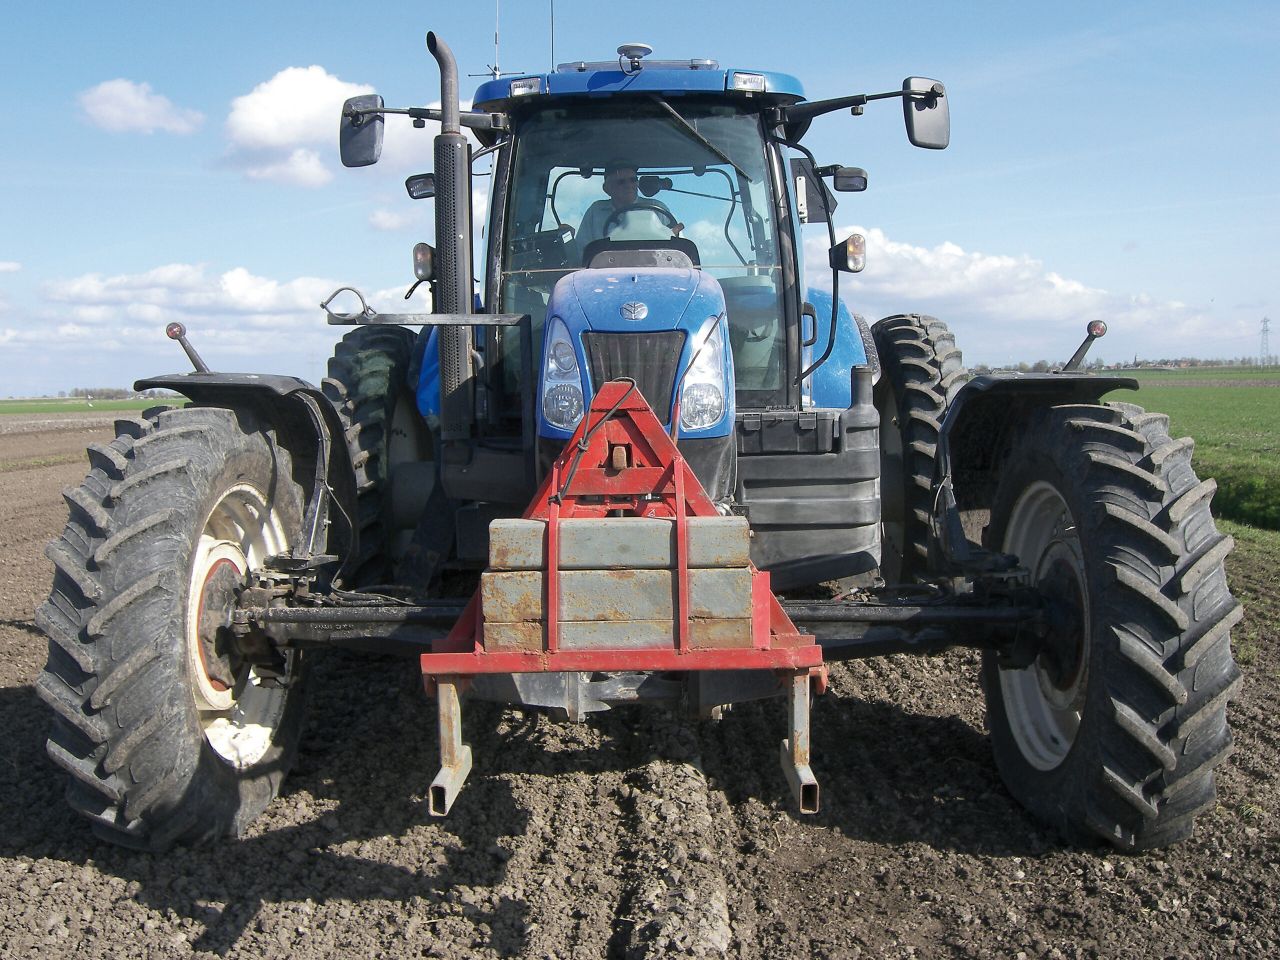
[[662, 166]]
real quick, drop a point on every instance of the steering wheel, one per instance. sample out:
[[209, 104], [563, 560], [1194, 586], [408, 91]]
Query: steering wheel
[[648, 206]]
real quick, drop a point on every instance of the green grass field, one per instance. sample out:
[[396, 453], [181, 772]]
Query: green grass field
[[1235, 421], [57, 405]]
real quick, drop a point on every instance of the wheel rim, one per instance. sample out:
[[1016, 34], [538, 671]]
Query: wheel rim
[[1043, 701], [238, 714]]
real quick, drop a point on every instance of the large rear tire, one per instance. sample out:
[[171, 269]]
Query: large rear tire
[[921, 372], [169, 734], [368, 385], [1115, 730]]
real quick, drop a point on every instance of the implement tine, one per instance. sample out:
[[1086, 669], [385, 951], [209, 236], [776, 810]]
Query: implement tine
[[455, 756], [795, 749]]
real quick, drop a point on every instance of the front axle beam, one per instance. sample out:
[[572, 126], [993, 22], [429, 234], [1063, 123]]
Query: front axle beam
[[844, 630]]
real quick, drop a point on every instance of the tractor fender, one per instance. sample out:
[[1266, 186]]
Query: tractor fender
[[305, 423], [984, 417]]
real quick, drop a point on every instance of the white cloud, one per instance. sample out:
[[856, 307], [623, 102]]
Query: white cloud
[[273, 129], [189, 291], [1009, 308], [10, 266], [123, 106], [299, 105], [301, 167]]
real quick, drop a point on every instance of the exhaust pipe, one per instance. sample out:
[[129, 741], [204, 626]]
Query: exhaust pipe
[[453, 252]]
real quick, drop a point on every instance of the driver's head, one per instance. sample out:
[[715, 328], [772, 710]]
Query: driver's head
[[620, 183]]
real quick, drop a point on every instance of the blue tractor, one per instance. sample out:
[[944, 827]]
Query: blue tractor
[[644, 461]]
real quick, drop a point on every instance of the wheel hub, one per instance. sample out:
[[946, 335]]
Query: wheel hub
[[1062, 658], [210, 652], [1044, 701], [236, 710], [217, 603]]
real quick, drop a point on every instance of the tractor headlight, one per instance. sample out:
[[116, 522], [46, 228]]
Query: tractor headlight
[[702, 395], [562, 358], [562, 405], [701, 405], [561, 382]]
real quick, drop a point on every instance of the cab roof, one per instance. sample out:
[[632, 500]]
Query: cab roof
[[666, 77]]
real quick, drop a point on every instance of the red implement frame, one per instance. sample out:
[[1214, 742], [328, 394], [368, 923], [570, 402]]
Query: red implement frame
[[620, 459]]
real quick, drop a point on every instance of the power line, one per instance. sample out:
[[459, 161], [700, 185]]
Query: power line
[[1264, 351]]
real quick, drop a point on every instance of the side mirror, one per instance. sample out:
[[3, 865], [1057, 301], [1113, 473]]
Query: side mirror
[[650, 184], [924, 106], [850, 180], [421, 186], [424, 261], [360, 132], [849, 256]]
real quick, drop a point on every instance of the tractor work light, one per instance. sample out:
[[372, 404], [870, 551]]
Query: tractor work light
[[525, 86], [747, 82], [850, 256]]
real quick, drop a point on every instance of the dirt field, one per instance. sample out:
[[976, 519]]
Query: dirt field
[[632, 835]]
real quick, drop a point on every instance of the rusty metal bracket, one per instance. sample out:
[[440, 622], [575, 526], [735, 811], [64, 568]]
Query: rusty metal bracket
[[794, 752], [455, 756]]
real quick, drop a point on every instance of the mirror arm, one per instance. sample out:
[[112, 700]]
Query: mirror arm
[[476, 121], [816, 108]]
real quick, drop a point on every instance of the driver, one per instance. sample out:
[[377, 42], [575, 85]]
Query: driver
[[621, 184]]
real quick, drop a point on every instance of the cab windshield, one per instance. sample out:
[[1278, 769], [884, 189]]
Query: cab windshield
[[673, 173]]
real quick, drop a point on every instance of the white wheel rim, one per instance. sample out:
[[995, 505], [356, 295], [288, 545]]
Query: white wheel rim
[[1044, 714], [242, 531]]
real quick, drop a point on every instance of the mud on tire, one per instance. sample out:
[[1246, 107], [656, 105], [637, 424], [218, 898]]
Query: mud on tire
[[159, 749], [921, 371], [368, 385], [1115, 730]]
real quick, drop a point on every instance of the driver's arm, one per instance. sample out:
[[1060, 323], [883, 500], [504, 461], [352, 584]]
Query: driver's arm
[[593, 221]]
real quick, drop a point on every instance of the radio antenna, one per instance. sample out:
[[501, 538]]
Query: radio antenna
[[494, 71]]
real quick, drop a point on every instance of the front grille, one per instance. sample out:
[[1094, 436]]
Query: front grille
[[650, 359]]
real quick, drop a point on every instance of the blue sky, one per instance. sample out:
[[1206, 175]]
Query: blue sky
[[173, 161]]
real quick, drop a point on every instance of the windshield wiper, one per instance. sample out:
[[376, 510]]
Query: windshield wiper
[[693, 132]]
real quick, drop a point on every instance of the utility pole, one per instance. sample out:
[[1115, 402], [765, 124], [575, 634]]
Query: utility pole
[[1264, 350]]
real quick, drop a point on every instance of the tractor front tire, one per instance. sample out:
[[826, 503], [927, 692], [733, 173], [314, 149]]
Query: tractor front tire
[[1113, 732], [921, 370], [168, 734], [368, 385]]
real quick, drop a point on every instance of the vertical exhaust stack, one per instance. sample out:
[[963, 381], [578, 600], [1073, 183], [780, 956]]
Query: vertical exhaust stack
[[453, 237]]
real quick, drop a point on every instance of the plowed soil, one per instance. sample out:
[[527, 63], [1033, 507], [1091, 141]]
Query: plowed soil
[[634, 834]]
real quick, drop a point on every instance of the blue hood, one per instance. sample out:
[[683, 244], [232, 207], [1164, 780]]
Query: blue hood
[[672, 297], [642, 300]]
